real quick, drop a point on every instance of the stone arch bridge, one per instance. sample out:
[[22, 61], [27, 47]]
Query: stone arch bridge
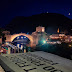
[[10, 38]]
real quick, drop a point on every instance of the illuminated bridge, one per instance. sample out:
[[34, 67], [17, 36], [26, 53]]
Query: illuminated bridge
[[20, 38], [25, 39]]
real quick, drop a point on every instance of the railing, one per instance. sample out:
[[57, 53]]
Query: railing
[[14, 49]]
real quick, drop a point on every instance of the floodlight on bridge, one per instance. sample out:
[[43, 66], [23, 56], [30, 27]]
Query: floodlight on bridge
[[24, 37], [44, 41]]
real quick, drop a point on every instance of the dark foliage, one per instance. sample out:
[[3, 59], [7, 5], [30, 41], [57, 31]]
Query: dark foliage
[[59, 49]]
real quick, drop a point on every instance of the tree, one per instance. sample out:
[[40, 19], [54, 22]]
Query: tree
[[1, 34]]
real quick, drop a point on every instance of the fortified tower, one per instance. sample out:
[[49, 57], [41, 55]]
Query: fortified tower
[[40, 29], [38, 34]]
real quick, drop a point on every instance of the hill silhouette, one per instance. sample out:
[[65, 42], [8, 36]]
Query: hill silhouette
[[51, 22]]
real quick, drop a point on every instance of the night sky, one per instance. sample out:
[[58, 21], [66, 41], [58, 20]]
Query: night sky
[[11, 8]]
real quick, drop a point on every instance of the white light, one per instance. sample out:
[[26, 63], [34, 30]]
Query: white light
[[58, 42], [44, 41], [21, 46], [22, 37], [69, 14], [18, 45]]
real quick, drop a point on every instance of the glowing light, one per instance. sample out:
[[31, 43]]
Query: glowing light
[[18, 45], [43, 30], [69, 45], [69, 14], [22, 37], [58, 30], [1, 50], [21, 46], [44, 41], [58, 42]]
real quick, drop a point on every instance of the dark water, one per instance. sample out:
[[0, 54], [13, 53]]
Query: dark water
[[62, 50]]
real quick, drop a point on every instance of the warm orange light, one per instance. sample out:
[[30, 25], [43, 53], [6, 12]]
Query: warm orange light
[[69, 45], [58, 30]]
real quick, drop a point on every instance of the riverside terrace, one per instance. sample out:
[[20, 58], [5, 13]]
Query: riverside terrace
[[35, 62]]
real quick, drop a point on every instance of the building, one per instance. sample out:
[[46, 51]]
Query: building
[[40, 29], [39, 33], [6, 32]]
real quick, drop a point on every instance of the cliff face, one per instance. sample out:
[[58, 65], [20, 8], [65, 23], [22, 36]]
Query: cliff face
[[51, 21]]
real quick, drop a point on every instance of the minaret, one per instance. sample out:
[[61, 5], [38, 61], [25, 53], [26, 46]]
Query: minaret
[[58, 30]]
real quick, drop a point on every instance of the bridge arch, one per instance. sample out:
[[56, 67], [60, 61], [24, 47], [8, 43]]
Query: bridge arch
[[28, 36]]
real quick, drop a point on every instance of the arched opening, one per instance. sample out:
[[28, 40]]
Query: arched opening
[[28, 36], [21, 41]]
